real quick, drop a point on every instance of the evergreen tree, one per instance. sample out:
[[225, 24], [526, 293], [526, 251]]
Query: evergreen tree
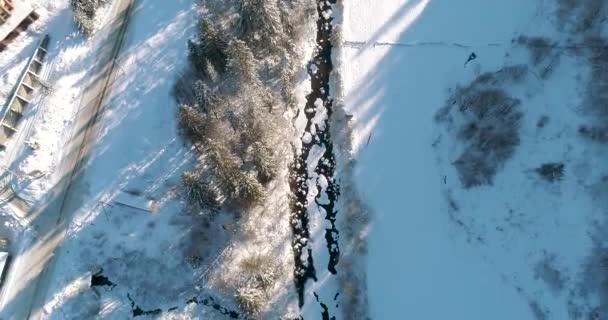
[[241, 65], [250, 189], [264, 161], [193, 123], [260, 23], [202, 95], [210, 47], [227, 168], [200, 192]]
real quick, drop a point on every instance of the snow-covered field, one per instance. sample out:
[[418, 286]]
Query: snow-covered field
[[521, 247]]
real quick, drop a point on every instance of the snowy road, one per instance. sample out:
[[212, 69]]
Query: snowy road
[[27, 283]]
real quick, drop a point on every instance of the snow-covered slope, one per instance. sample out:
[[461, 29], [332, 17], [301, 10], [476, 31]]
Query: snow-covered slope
[[513, 249]]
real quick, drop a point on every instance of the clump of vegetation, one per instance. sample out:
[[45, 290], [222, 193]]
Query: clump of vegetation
[[581, 15], [598, 87], [542, 53], [551, 171], [598, 134], [200, 192], [228, 108], [257, 276], [540, 48], [231, 102], [232, 98], [487, 121], [84, 12], [542, 122]]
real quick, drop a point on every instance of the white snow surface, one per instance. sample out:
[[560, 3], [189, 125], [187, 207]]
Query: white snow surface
[[426, 261]]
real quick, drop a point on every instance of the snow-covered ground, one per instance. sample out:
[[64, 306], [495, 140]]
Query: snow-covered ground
[[126, 221], [130, 222], [515, 249], [124, 213], [520, 247]]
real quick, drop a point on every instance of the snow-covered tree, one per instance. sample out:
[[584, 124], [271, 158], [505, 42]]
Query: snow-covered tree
[[210, 47], [193, 123], [250, 189], [200, 191], [264, 161], [260, 23], [84, 12], [242, 65], [226, 167]]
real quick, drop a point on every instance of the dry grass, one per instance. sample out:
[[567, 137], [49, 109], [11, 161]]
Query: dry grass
[[551, 171], [258, 275], [581, 15], [488, 121]]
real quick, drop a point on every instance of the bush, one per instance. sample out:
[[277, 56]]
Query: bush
[[193, 123], [540, 48], [490, 125], [264, 162], [200, 191], [594, 133], [258, 276], [226, 167], [260, 23], [84, 12], [552, 171], [209, 51]]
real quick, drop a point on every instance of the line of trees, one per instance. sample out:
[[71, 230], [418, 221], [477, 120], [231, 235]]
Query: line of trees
[[232, 98], [231, 102]]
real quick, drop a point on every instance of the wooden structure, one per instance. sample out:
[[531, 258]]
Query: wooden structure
[[14, 19], [23, 94]]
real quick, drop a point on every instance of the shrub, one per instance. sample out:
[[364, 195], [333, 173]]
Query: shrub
[[250, 189], [552, 171], [226, 167], [258, 276], [209, 50], [490, 121], [200, 191], [193, 123], [540, 48], [84, 12], [264, 162], [241, 64], [260, 23]]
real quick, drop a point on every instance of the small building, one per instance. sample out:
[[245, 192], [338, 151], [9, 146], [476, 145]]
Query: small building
[[14, 19]]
